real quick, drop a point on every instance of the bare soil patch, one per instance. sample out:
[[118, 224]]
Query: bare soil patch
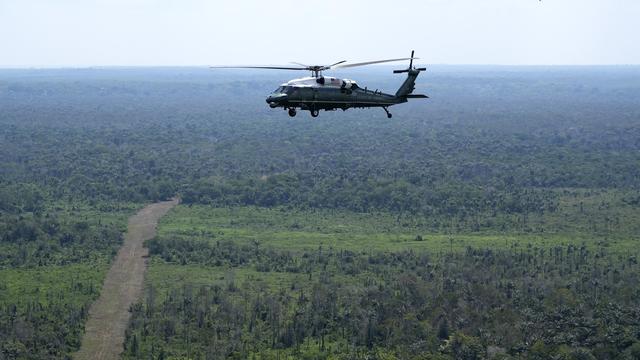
[[109, 315]]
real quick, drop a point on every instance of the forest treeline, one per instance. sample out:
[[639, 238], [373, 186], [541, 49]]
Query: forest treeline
[[399, 196]]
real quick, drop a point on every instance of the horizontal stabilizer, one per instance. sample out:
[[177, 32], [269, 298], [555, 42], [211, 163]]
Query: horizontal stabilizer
[[407, 70], [416, 96]]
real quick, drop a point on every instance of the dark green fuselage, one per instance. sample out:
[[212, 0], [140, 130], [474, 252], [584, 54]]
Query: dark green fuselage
[[319, 98], [321, 93]]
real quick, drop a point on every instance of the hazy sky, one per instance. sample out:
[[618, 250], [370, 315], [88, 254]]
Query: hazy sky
[[215, 32]]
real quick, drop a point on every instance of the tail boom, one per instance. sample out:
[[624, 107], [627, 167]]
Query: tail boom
[[406, 89], [409, 83]]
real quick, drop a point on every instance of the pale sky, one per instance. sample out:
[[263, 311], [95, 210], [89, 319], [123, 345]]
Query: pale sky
[[68, 33]]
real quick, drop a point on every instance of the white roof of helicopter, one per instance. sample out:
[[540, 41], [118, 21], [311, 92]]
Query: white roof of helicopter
[[310, 81]]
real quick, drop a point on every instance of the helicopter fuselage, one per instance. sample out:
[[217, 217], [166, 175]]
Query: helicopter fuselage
[[310, 94], [329, 93]]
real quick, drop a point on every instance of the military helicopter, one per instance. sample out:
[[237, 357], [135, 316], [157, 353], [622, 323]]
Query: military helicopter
[[319, 92]]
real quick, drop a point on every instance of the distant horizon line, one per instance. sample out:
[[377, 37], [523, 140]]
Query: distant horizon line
[[98, 67]]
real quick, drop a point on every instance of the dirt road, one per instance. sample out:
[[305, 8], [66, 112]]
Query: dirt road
[[109, 315]]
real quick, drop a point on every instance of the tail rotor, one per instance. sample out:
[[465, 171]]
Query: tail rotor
[[410, 68]]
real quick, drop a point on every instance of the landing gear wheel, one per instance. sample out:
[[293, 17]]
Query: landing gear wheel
[[292, 112], [388, 113], [315, 113]]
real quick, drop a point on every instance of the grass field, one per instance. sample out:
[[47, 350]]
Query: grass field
[[594, 218], [78, 284]]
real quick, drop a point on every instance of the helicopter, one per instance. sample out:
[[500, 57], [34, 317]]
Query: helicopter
[[319, 92]]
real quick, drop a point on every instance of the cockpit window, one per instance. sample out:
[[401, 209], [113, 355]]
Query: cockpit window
[[279, 90]]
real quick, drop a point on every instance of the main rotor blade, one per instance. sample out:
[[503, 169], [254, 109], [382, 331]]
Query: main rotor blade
[[339, 62], [310, 67], [258, 67], [369, 63]]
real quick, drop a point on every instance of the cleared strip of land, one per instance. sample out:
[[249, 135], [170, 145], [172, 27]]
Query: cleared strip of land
[[109, 315]]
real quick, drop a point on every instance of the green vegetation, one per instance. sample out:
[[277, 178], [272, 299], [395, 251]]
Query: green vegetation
[[44, 308], [52, 263], [260, 283], [291, 229], [499, 219]]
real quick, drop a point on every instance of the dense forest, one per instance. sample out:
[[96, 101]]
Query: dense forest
[[547, 157], [566, 302]]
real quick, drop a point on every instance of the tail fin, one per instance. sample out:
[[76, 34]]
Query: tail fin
[[407, 87]]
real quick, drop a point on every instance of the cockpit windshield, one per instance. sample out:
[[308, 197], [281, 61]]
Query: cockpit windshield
[[283, 90]]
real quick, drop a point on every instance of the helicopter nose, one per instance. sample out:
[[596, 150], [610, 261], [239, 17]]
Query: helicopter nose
[[275, 99]]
